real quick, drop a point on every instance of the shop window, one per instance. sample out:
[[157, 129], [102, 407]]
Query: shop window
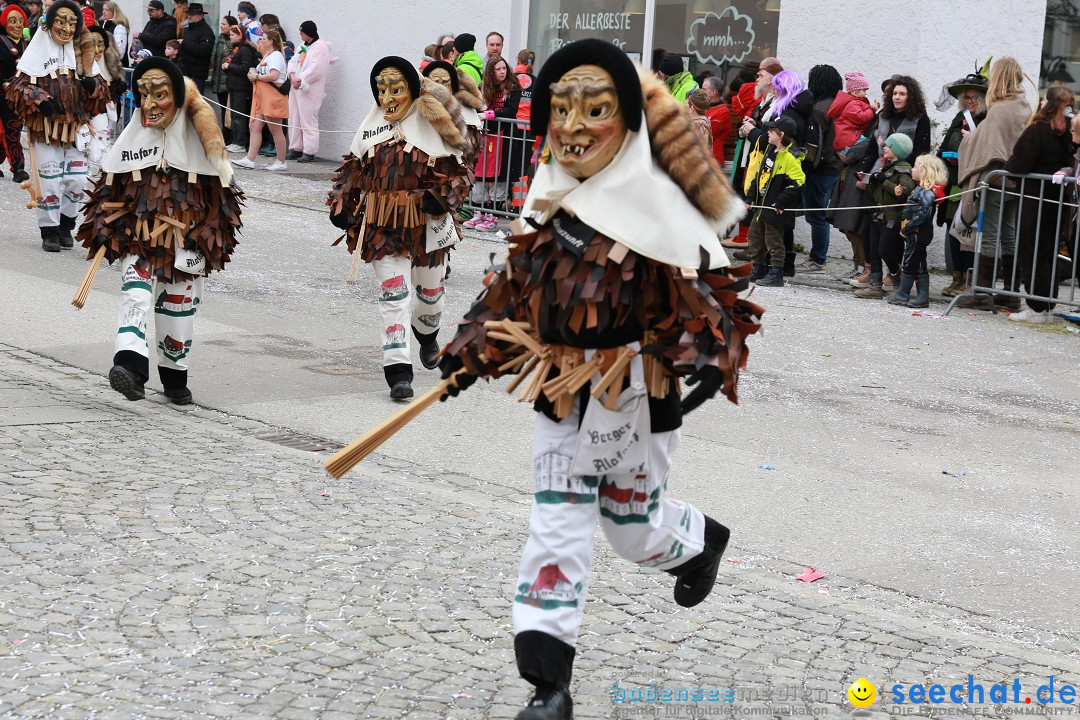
[[716, 37], [1061, 45], [554, 23]]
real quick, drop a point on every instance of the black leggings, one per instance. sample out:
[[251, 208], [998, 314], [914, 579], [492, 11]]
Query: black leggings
[[240, 105], [885, 245], [962, 260], [915, 244], [223, 101]]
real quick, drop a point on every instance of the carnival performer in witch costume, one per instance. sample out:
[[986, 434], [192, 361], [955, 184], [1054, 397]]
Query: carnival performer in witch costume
[[165, 208], [619, 287], [57, 108], [12, 45], [468, 96], [395, 197]]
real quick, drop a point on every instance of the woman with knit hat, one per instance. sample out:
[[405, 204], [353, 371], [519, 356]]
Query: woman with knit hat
[[891, 185]]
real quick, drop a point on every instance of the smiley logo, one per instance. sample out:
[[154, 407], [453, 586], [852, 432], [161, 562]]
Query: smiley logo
[[862, 693]]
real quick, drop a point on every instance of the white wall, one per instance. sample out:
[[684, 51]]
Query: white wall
[[935, 42], [362, 31]]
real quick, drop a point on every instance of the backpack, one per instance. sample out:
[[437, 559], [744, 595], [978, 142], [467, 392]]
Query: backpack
[[817, 127]]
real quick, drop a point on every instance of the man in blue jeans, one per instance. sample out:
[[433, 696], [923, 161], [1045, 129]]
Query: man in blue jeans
[[822, 175]]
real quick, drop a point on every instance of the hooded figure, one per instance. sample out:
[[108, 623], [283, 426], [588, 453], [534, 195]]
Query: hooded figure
[[395, 197], [613, 287], [57, 106], [165, 208]]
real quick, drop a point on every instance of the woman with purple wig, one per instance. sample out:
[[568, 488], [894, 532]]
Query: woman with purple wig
[[793, 100]]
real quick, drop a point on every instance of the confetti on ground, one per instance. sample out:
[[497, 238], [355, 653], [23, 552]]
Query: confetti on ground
[[984, 371], [809, 575], [767, 467], [324, 493], [957, 474]]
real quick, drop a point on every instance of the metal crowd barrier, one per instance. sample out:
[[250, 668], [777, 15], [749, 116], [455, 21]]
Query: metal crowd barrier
[[503, 168], [1048, 264]]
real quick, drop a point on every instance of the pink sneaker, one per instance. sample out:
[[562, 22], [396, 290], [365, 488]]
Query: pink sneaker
[[472, 222], [489, 223]]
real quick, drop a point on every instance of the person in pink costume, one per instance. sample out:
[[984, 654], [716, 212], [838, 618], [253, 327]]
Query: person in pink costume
[[307, 73]]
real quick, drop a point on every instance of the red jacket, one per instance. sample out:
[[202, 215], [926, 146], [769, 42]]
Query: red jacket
[[744, 100], [851, 117], [720, 120]]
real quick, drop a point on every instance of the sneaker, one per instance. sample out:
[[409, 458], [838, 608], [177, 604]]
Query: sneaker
[[293, 155], [774, 278], [244, 163], [860, 281], [306, 159], [811, 267], [472, 222], [268, 151], [741, 254], [487, 224], [277, 166], [732, 243], [234, 148], [888, 283], [849, 276], [1031, 316]]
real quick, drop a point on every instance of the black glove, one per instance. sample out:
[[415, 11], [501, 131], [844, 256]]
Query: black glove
[[50, 107], [89, 85], [100, 240], [117, 88], [449, 365], [431, 205], [708, 380], [340, 220]]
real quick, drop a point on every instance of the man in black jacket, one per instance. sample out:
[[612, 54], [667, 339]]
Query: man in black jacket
[[159, 30], [197, 46]]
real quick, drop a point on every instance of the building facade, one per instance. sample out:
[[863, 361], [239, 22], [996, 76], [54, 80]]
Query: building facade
[[935, 42]]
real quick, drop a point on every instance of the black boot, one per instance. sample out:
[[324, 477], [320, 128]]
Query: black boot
[[429, 348], [19, 175], [984, 276], [50, 239], [547, 663], [697, 575], [67, 224], [174, 383], [129, 374], [399, 377]]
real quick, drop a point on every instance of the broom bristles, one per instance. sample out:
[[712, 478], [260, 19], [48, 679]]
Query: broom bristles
[[88, 280], [346, 459]]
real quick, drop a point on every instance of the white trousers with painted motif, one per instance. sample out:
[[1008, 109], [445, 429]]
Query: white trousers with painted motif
[[174, 308], [642, 525], [63, 172], [398, 280]]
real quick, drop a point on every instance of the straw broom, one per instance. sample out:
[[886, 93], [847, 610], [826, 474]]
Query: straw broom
[[88, 280], [345, 460]]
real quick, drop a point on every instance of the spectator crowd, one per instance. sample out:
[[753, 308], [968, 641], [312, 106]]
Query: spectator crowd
[[815, 147]]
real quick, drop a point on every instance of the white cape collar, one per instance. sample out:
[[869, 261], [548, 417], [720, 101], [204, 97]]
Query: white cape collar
[[634, 202], [178, 146], [44, 55], [414, 129]]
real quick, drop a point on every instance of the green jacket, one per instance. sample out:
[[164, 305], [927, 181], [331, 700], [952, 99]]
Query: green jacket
[[682, 85], [222, 48], [471, 64], [883, 190]]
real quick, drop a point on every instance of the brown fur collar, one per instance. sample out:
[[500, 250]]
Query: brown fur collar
[[469, 93], [438, 107], [682, 153], [206, 125]]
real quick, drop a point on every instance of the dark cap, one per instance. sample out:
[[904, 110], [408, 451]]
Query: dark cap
[[156, 4], [464, 42], [671, 65], [195, 9], [784, 124]]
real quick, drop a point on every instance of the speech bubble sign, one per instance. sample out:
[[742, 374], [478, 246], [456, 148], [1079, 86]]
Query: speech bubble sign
[[727, 37]]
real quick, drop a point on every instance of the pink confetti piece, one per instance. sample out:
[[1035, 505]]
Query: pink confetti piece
[[984, 371], [809, 575], [324, 493]]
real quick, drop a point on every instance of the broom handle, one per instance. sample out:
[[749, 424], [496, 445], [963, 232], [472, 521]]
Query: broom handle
[[347, 458], [35, 180]]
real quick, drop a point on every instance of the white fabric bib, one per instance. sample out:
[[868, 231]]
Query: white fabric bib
[[472, 118], [44, 55], [414, 130], [635, 202], [140, 147]]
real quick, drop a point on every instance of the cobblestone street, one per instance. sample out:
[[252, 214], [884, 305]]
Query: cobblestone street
[[163, 563]]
